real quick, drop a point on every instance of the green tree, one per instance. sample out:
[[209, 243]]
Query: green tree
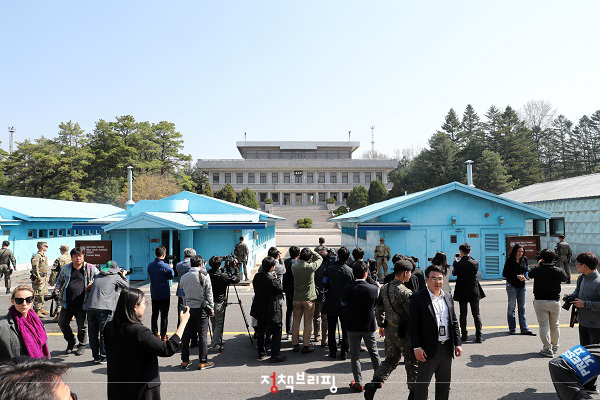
[[377, 192], [207, 190], [493, 137], [358, 198], [169, 144], [561, 131], [247, 198], [75, 159], [108, 191], [227, 193], [200, 179], [490, 175], [451, 125]]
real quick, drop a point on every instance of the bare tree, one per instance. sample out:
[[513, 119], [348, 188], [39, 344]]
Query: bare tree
[[538, 114], [407, 153], [374, 155]]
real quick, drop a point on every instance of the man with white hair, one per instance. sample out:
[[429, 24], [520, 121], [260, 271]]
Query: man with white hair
[[182, 268]]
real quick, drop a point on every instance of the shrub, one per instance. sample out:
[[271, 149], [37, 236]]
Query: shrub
[[301, 225], [340, 210], [268, 200], [300, 221], [308, 221], [330, 200], [308, 225]]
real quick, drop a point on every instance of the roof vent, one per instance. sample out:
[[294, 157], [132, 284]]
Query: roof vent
[[469, 173]]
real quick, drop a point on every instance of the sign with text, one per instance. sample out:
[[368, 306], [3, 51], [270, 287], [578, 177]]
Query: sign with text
[[96, 251], [531, 244]]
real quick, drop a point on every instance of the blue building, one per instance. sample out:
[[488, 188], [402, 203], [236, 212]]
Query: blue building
[[211, 226], [26, 220], [440, 219]]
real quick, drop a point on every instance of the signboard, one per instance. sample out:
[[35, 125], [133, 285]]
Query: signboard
[[96, 251], [531, 244], [473, 235]]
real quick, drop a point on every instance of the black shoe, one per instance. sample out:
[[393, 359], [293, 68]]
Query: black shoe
[[70, 347], [80, 350], [464, 337], [528, 333], [512, 332], [478, 339], [97, 360], [296, 348], [370, 389], [277, 359], [307, 349], [7, 291], [332, 355], [342, 356], [102, 360]]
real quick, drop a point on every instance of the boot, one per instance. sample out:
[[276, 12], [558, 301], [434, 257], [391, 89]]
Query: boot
[[370, 389]]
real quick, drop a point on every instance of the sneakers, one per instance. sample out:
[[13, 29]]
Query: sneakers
[[592, 391], [555, 349], [547, 353], [277, 359], [262, 357], [80, 349], [102, 360], [206, 365], [186, 364], [307, 349], [356, 386]]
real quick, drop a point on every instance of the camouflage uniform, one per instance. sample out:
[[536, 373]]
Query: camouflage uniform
[[392, 313], [6, 260], [320, 248], [39, 280], [563, 251], [58, 264], [382, 255], [241, 253]]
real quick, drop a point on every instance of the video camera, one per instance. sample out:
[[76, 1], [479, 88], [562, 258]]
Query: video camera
[[372, 268], [227, 264]]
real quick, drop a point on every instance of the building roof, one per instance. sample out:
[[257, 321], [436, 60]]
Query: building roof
[[225, 217], [571, 188], [147, 220], [33, 208], [374, 210]]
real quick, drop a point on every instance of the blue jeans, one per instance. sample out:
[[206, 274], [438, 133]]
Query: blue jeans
[[97, 320], [515, 296]]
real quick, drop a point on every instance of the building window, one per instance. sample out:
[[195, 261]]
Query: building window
[[62, 232], [539, 227], [344, 177], [322, 197], [216, 178], [321, 177], [275, 197], [309, 177], [557, 226], [76, 232], [6, 232], [69, 232], [286, 177], [52, 233], [31, 234], [239, 178], [43, 233], [333, 177], [356, 177], [367, 177], [275, 177], [263, 178], [345, 196], [251, 177], [227, 177], [262, 197], [298, 178], [379, 176]]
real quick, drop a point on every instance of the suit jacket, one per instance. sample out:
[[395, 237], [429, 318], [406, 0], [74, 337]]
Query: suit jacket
[[266, 307], [467, 286], [337, 276], [359, 299], [132, 357], [423, 328]]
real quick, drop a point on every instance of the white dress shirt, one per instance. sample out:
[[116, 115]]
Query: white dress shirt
[[441, 314]]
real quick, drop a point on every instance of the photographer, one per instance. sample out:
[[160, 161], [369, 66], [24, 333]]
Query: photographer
[[587, 301], [546, 292], [279, 265], [220, 281]]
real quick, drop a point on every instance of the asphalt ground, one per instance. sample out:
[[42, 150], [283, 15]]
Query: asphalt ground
[[502, 367]]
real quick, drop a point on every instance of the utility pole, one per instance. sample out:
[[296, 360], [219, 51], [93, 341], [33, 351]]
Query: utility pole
[[11, 134], [349, 135], [244, 136], [372, 140]]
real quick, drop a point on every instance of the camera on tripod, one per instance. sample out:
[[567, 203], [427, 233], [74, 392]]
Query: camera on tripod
[[372, 268], [227, 264]]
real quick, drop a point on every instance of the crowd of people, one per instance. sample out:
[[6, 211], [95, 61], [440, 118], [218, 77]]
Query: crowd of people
[[340, 299]]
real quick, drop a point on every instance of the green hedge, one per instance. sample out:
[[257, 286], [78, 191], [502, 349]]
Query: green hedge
[[330, 200], [340, 210], [300, 221], [308, 221], [268, 200], [301, 225]]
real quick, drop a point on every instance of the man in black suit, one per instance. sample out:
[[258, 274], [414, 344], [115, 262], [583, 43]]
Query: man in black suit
[[434, 335], [359, 299], [288, 288], [467, 290]]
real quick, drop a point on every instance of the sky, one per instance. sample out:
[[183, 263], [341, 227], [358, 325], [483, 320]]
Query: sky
[[291, 70]]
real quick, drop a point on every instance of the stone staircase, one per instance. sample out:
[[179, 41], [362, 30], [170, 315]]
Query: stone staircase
[[319, 214]]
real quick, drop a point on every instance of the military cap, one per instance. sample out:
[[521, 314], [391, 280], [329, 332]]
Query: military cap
[[6, 243], [42, 244], [402, 265], [64, 247]]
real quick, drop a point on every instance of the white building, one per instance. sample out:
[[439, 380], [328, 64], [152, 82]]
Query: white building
[[297, 173], [575, 207]]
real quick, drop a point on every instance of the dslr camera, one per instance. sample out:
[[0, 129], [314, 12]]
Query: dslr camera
[[568, 298]]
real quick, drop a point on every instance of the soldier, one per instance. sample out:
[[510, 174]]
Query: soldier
[[7, 259], [392, 318], [60, 262], [321, 248], [563, 251], [382, 255], [39, 278], [241, 253]]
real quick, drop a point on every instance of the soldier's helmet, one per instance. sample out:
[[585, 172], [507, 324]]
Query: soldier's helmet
[[42, 244]]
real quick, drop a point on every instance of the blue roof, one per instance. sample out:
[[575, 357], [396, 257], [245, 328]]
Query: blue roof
[[33, 208], [146, 220], [374, 210]]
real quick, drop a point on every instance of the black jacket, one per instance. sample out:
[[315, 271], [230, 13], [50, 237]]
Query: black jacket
[[319, 286], [337, 276], [546, 281], [219, 282], [132, 357], [467, 286], [359, 300], [512, 268], [266, 306], [288, 279], [422, 324], [417, 281]]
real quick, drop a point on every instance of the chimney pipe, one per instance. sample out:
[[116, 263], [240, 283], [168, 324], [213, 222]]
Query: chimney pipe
[[130, 202], [469, 173]]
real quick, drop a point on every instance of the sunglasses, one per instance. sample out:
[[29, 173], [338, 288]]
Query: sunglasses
[[20, 300]]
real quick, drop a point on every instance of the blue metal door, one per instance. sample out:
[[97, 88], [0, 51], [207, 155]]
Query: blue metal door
[[491, 254]]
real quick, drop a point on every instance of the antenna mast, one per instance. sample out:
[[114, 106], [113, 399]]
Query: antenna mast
[[372, 139], [11, 131]]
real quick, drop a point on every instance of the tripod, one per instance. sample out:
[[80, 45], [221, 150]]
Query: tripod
[[239, 302]]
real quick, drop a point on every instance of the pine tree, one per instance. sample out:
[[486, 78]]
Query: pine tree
[[227, 193], [470, 128], [490, 175], [451, 125], [492, 135], [377, 192], [207, 190], [358, 198], [247, 198], [75, 159]]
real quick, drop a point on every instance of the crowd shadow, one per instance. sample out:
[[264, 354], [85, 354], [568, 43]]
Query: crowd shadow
[[302, 394], [478, 360], [529, 394]]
